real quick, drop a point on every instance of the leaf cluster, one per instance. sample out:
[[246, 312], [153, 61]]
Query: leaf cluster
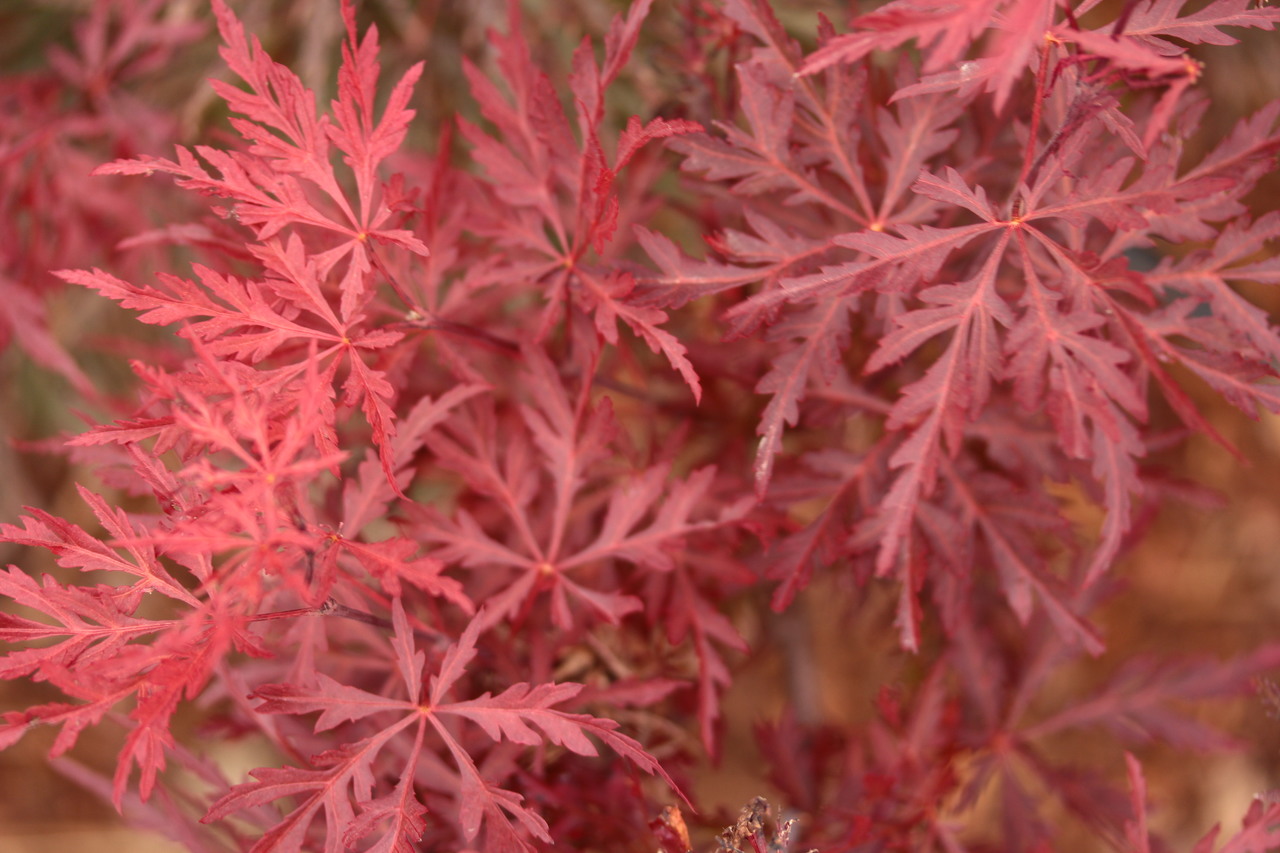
[[460, 465]]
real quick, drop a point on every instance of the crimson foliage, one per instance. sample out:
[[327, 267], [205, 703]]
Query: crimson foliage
[[456, 476]]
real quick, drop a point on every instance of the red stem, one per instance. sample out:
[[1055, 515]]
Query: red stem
[[1034, 131]]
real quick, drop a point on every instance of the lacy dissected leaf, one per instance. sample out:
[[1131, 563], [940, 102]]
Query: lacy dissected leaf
[[643, 520], [954, 388], [606, 298], [90, 625], [622, 536], [76, 548], [944, 31], [912, 134], [564, 188], [340, 774], [1089, 397], [897, 263], [392, 561], [756, 160], [764, 256], [1154, 22], [104, 654], [684, 279], [70, 103], [240, 322], [96, 700], [244, 323], [366, 497], [523, 714], [840, 480], [689, 616], [401, 816], [272, 184], [1008, 520], [1200, 294], [820, 334], [1135, 703]]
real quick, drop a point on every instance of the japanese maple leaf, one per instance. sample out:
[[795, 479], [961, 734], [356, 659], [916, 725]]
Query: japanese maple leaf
[[103, 654], [523, 714], [244, 320], [1154, 22], [274, 185], [92, 624], [953, 389], [945, 31], [1140, 40], [75, 547], [564, 191], [1201, 302]]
